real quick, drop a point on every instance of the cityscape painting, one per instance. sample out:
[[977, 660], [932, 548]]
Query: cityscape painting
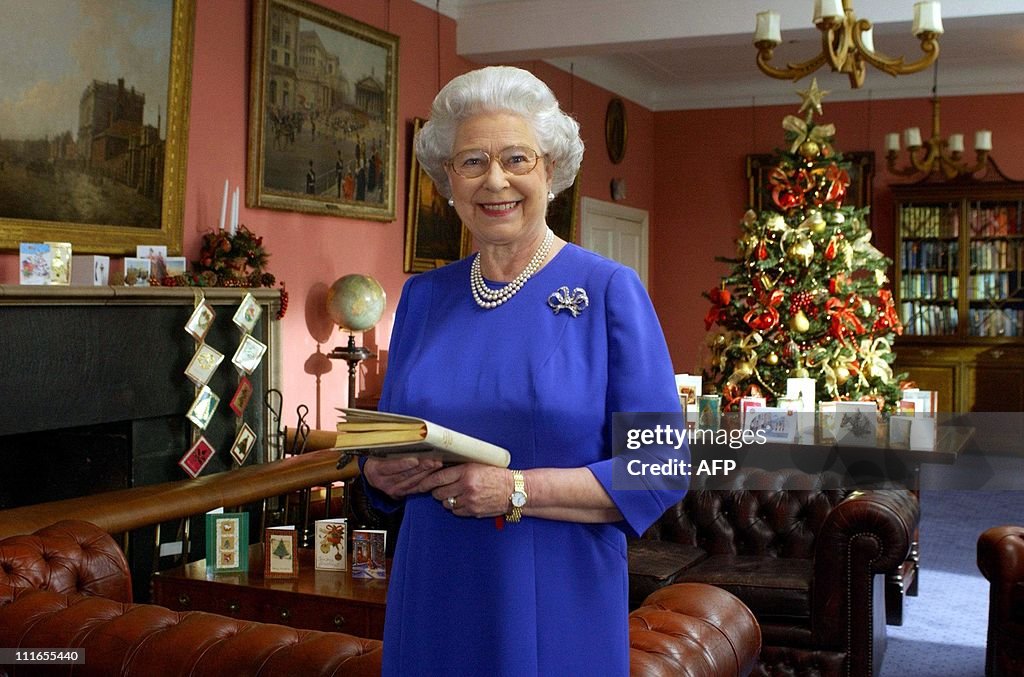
[[322, 113], [94, 94]]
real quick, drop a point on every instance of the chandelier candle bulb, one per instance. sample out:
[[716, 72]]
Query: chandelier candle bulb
[[982, 140], [927, 18], [867, 40], [912, 137], [768, 28], [830, 9], [956, 143], [892, 142]]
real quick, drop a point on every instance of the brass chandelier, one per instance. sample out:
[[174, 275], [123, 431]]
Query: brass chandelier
[[847, 44], [937, 155]]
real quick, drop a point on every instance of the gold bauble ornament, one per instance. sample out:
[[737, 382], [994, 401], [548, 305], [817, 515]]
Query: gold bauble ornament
[[809, 149], [772, 359], [801, 252], [800, 372], [742, 372], [817, 224], [842, 375], [799, 322]]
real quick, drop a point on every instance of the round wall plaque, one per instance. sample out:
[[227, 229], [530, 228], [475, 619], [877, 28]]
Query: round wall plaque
[[615, 130]]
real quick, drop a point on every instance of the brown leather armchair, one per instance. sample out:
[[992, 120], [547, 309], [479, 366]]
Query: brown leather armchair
[[67, 586], [807, 557], [1001, 561]]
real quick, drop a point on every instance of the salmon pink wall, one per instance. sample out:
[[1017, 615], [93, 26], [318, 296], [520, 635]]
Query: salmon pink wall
[[701, 190]]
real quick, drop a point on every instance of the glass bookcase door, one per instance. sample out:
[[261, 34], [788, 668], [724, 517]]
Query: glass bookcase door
[[929, 267], [995, 296]]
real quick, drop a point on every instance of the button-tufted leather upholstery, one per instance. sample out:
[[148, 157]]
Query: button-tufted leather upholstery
[[806, 556], [67, 586], [1001, 561]]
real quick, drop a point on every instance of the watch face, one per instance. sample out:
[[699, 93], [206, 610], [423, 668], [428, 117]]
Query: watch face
[[518, 499]]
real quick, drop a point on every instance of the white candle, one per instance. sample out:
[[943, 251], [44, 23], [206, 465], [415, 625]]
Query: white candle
[[234, 211], [867, 39], [768, 27], [224, 205], [831, 9], [983, 140], [927, 17], [892, 141], [912, 137], [956, 143]]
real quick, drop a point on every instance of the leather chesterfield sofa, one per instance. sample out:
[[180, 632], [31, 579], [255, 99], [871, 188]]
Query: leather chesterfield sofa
[[1001, 561], [67, 586], [808, 557]]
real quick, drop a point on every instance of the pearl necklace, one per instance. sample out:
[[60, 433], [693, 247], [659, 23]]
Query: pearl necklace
[[488, 298]]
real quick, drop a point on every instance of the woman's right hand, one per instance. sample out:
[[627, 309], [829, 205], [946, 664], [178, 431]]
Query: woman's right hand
[[398, 477]]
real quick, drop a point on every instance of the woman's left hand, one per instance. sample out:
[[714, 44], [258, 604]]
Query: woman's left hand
[[478, 490]]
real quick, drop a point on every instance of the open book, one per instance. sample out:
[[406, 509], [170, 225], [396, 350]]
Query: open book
[[375, 433]]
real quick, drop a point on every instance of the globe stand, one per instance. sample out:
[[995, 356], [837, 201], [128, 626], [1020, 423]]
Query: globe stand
[[353, 355]]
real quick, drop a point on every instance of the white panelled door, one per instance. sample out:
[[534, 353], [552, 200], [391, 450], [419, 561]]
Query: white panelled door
[[615, 231]]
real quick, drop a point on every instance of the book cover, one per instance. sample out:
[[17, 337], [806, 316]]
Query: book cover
[[331, 545], [368, 553], [382, 434]]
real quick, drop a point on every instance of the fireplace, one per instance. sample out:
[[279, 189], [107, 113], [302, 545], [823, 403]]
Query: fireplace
[[94, 395]]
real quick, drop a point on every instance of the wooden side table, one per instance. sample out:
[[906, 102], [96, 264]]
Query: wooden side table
[[332, 601]]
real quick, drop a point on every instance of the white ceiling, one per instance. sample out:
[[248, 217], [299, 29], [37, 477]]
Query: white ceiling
[[683, 54]]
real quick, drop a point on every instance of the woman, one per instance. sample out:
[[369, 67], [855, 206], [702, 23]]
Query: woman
[[532, 344]]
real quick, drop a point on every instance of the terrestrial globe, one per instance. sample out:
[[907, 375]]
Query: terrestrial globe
[[356, 302]]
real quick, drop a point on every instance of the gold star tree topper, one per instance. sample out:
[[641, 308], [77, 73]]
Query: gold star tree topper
[[812, 97]]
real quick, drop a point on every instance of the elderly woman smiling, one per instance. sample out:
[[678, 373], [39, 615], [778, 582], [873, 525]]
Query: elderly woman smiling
[[532, 344]]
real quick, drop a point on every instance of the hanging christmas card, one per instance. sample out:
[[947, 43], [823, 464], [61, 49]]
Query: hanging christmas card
[[201, 411], [196, 458], [248, 314], [240, 400], [249, 354], [203, 364], [199, 323], [243, 444]]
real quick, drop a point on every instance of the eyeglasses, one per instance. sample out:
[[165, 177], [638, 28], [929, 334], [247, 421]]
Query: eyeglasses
[[518, 160]]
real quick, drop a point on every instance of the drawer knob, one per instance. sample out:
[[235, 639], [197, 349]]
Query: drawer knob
[[339, 620], [184, 600], [285, 614], [927, 352], [996, 354], [234, 607]]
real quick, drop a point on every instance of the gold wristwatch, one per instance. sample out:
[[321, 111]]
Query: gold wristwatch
[[517, 498]]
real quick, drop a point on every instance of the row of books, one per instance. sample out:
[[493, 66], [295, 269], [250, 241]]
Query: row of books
[[996, 322], [996, 286], [932, 221], [995, 221], [923, 254], [929, 285], [997, 254], [926, 319]]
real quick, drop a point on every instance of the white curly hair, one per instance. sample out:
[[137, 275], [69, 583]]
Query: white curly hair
[[504, 89]]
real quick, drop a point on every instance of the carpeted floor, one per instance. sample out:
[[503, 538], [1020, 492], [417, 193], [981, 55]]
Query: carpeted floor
[[943, 633]]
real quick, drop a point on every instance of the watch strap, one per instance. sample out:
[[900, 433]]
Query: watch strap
[[515, 512]]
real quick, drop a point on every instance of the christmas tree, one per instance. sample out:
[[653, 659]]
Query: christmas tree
[[806, 296]]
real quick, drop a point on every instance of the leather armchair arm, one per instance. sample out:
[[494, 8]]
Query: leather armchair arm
[[1001, 561], [868, 533], [69, 557]]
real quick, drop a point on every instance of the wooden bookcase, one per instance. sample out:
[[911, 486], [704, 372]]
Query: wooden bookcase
[[959, 288]]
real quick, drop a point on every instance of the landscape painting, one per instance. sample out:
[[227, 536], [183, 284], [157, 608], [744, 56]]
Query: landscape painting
[[93, 122]]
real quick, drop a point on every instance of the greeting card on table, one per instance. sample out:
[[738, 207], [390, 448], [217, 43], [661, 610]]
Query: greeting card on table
[[280, 557], [368, 553], [227, 542], [331, 544]]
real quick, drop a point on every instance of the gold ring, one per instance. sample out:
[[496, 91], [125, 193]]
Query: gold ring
[[451, 502]]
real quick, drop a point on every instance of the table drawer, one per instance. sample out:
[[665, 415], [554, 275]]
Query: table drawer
[[318, 614]]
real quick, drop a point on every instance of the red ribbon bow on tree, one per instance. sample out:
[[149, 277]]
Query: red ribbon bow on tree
[[765, 317], [844, 320], [887, 317]]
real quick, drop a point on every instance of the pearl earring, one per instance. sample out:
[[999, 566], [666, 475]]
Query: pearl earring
[[451, 202], [551, 196]]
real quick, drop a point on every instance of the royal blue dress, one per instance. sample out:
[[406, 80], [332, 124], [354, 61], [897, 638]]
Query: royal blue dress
[[539, 597]]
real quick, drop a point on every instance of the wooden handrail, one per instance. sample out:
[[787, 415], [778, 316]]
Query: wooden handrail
[[126, 509]]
